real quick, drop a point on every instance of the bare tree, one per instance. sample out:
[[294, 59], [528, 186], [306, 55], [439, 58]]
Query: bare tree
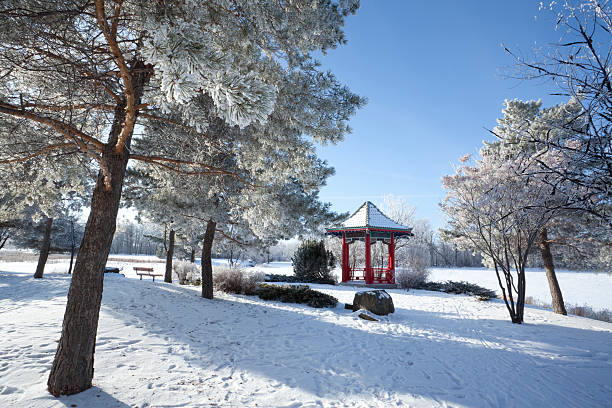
[[496, 212]]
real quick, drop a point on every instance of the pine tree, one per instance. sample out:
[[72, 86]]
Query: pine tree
[[78, 77], [312, 262]]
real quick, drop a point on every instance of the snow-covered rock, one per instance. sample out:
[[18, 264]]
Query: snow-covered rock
[[376, 301]]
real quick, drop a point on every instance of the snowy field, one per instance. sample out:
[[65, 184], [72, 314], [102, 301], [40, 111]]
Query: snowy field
[[162, 345], [578, 288]]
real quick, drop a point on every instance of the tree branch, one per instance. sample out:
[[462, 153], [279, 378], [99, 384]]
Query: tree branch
[[126, 75]]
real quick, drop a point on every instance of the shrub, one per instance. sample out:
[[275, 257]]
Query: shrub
[[294, 279], [186, 272], [295, 294], [604, 315], [312, 262], [411, 277], [459, 288], [236, 280]]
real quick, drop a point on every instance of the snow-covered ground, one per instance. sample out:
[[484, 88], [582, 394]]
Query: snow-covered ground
[[162, 345], [578, 288]]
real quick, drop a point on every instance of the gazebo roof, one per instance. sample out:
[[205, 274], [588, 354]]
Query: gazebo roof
[[368, 216]]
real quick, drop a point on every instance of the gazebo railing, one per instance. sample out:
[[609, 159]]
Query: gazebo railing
[[381, 275]]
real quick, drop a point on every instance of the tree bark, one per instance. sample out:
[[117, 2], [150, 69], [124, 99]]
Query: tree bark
[[73, 366], [549, 267], [207, 279], [520, 297], [3, 238], [192, 259], [169, 255], [72, 247], [44, 251]]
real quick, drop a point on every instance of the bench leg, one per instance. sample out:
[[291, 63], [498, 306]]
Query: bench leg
[[153, 278], [140, 277]]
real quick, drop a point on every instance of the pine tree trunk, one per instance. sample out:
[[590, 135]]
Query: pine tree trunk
[[207, 279], [169, 255], [3, 238], [73, 366], [72, 369], [44, 251], [192, 259], [72, 247], [549, 266]]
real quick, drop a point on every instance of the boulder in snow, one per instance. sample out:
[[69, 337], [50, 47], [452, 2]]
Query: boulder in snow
[[376, 301]]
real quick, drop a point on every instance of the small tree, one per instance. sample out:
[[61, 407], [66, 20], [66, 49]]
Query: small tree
[[312, 262], [493, 211]]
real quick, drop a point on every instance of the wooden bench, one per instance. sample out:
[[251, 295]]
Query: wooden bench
[[140, 271]]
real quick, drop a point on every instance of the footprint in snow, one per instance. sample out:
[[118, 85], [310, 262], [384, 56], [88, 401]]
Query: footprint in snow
[[6, 390]]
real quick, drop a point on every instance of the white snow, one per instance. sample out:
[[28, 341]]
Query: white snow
[[578, 288], [368, 215], [162, 345]]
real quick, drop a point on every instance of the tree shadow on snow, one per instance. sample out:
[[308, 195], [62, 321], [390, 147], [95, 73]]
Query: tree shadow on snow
[[20, 287], [94, 397]]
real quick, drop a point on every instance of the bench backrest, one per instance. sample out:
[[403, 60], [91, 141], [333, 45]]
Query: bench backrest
[[140, 268]]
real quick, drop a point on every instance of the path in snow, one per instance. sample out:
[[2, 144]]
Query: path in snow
[[163, 345]]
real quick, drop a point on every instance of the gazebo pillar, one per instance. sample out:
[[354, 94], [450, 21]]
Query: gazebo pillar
[[345, 259], [392, 258], [369, 279]]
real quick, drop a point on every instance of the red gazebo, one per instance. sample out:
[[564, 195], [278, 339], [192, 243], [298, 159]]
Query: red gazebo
[[369, 224]]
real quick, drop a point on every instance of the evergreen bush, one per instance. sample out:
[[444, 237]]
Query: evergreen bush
[[272, 277], [458, 288], [313, 263], [295, 294]]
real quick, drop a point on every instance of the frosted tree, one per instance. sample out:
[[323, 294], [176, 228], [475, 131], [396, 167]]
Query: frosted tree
[[8, 216], [60, 234], [140, 236], [80, 76], [579, 66], [416, 249], [522, 124], [35, 196], [246, 210], [491, 209]]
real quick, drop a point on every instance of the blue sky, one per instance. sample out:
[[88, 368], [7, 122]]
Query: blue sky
[[435, 75]]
